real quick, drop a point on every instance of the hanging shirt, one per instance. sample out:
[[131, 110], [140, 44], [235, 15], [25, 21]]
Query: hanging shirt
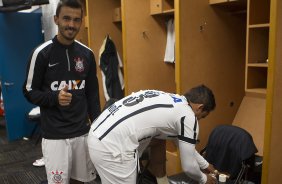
[[170, 42], [110, 64]]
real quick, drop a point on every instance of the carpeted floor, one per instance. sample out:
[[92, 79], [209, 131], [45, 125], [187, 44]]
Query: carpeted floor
[[16, 160]]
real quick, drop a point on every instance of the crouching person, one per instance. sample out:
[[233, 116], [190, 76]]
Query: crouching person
[[130, 123]]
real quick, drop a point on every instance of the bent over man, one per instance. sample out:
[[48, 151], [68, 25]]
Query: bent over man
[[118, 136]]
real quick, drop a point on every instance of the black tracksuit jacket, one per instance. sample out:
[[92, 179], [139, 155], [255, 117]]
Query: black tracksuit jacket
[[51, 66]]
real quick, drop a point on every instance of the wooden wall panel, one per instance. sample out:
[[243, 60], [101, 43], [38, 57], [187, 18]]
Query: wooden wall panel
[[145, 48], [101, 23], [82, 36], [213, 53], [275, 164], [251, 117]]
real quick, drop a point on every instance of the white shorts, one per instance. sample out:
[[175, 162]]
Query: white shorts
[[67, 158], [118, 170]]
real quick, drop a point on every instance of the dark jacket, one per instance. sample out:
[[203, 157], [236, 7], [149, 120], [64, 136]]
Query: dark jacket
[[228, 146], [51, 66], [109, 65]]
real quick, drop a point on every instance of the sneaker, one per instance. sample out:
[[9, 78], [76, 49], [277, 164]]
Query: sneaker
[[39, 162]]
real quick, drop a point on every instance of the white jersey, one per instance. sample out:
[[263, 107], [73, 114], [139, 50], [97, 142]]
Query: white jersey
[[127, 126], [144, 115]]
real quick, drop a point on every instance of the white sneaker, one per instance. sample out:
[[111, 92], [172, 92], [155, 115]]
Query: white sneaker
[[39, 162]]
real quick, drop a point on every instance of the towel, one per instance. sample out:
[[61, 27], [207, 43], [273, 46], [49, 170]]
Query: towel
[[170, 42]]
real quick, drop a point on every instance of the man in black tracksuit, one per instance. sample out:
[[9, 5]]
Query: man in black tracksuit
[[61, 79]]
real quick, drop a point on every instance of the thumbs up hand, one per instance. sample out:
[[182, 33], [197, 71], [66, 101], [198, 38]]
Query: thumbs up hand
[[64, 96]]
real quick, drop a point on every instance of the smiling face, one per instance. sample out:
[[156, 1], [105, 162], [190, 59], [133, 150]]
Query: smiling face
[[68, 21]]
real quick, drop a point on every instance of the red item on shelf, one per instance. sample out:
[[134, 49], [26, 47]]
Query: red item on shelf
[[1, 108]]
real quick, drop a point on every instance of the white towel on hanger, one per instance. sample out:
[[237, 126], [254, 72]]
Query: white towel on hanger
[[48, 12], [170, 42]]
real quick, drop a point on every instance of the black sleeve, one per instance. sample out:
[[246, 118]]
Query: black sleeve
[[92, 91], [33, 85]]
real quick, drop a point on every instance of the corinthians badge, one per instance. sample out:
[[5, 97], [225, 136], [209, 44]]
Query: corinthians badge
[[57, 177], [79, 64]]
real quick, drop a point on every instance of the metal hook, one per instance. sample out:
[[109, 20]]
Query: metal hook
[[202, 27], [144, 33]]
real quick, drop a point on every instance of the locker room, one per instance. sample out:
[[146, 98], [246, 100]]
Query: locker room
[[231, 46]]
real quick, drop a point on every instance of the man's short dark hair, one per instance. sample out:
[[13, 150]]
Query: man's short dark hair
[[68, 3], [201, 95]]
